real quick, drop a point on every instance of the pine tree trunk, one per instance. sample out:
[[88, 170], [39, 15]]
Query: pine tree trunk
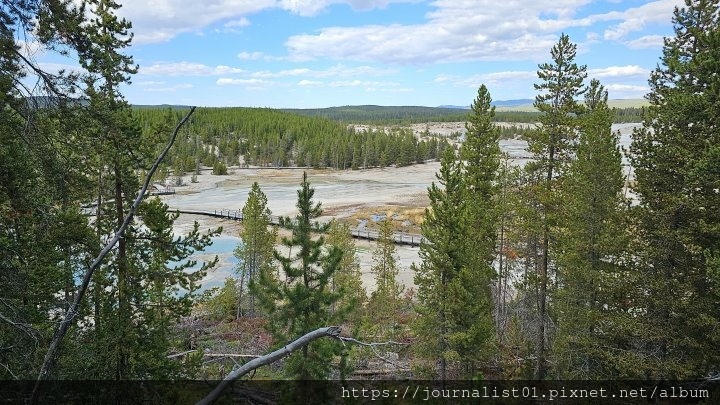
[[122, 274], [98, 216]]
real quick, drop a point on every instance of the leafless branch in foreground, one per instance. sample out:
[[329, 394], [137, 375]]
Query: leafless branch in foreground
[[71, 313], [330, 331], [373, 347]]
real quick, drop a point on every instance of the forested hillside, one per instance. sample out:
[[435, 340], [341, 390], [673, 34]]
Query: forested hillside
[[405, 115], [273, 138]]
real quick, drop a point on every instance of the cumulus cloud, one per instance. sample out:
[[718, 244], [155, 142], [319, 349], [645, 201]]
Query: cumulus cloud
[[167, 18], [629, 71], [309, 83], [242, 22], [623, 91], [454, 31], [474, 81], [165, 88], [282, 73], [255, 56], [234, 26], [475, 30], [361, 83], [645, 42], [636, 18], [187, 69], [252, 83], [309, 8], [339, 70]]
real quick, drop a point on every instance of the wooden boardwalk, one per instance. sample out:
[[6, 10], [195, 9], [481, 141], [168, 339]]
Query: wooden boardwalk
[[400, 238]]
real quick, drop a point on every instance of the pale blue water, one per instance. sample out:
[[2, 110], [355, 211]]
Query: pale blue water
[[223, 246]]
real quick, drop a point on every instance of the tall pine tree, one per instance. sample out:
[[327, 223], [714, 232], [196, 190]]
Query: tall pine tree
[[591, 242], [553, 147], [255, 251], [384, 303], [676, 156], [303, 301]]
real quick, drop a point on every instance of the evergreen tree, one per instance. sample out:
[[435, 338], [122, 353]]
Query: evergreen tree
[[553, 147], [303, 301], [456, 275], [384, 303], [255, 251], [590, 246], [347, 280], [480, 154], [441, 253], [676, 156], [109, 68]]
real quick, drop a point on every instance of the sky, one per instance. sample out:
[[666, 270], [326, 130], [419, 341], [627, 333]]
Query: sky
[[323, 53]]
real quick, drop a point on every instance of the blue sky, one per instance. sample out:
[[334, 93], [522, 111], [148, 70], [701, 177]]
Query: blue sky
[[321, 53]]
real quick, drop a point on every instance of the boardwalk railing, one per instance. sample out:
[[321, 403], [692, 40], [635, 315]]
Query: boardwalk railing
[[399, 238]]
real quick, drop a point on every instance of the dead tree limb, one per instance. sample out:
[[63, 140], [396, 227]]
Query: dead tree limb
[[172, 356], [377, 354], [71, 313], [330, 331]]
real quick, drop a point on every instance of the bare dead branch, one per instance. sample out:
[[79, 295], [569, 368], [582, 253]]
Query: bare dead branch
[[330, 331], [244, 356], [172, 356], [71, 313], [373, 347], [373, 344], [23, 327]]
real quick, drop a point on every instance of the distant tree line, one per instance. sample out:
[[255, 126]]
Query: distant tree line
[[406, 115], [272, 138]]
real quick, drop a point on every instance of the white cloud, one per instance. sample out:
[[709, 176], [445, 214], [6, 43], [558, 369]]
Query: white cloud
[[310, 8], [251, 83], [234, 26], [161, 88], [636, 18], [161, 20], [252, 55], [361, 83], [366, 84], [30, 49], [282, 73], [55, 68], [621, 91], [477, 30], [455, 30], [629, 71], [150, 83], [310, 83], [339, 70], [474, 81], [242, 22], [645, 42], [187, 69]]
